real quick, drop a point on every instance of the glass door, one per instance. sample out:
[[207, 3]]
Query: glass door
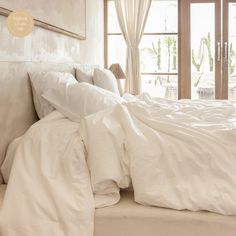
[[201, 49], [205, 41], [229, 50]]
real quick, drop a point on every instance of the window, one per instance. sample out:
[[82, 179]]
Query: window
[[158, 47], [199, 64], [159, 50]]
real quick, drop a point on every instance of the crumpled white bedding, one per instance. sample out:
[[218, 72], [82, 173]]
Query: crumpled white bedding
[[178, 155], [49, 190]]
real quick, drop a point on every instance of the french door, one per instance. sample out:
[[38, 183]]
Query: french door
[[207, 49]]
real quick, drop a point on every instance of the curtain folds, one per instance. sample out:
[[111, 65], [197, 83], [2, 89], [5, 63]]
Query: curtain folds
[[132, 16]]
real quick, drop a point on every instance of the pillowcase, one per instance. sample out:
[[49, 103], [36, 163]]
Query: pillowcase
[[105, 79], [83, 77], [10, 155], [43, 81], [76, 101]]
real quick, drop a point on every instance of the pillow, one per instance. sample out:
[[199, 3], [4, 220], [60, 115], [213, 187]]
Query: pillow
[[7, 164], [43, 81], [83, 77], [76, 101], [105, 79]]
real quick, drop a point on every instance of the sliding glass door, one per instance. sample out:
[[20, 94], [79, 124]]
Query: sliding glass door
[[208, 68]]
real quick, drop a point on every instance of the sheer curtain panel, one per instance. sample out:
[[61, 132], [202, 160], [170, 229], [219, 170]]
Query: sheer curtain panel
[[132, 16]]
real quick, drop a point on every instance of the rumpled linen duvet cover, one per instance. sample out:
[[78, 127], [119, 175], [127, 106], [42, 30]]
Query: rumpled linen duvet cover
[[178, 155]]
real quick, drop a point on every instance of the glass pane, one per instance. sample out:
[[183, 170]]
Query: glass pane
[[162, 17], [159, 53], [113, 25], [160, 86], [232, 51], [117, 50], [202, 50]]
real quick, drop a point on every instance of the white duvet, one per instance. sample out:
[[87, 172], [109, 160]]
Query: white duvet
[[49, 192], [177, 155]]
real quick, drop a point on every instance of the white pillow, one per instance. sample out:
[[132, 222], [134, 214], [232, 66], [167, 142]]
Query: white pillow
[[79, 100], [10, 155], [83, 77], [105, 79], [43, 81]]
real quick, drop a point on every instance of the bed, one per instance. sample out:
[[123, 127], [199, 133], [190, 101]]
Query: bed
[[126, 217]]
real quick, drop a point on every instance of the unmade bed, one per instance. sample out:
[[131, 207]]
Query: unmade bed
[[126, 217]]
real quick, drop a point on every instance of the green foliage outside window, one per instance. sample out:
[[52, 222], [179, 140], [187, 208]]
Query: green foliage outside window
[[204, 53]]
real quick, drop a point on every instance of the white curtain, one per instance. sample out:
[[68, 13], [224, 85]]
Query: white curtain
[[132, 16]]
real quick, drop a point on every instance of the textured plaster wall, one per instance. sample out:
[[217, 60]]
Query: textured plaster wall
[[92, 49], [47, 46]]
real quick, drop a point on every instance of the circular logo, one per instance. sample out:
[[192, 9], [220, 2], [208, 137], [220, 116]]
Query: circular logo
[[20, 23]]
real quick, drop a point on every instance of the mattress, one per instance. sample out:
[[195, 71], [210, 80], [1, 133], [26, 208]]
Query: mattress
[[128, 218]]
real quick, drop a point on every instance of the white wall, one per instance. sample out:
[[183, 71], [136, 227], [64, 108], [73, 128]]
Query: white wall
[[92, 49], [46, 46]]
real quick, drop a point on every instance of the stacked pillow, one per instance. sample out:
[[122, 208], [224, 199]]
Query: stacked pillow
[[102, 78], [61, 91], [76, 101], [43, 81], [83, 77]]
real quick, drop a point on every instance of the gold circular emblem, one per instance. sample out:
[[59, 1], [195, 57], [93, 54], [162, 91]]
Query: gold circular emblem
[[20, 23]]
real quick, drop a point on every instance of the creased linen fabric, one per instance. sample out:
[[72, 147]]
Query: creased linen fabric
[[49, 189], [132, 15], [178, 155]]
